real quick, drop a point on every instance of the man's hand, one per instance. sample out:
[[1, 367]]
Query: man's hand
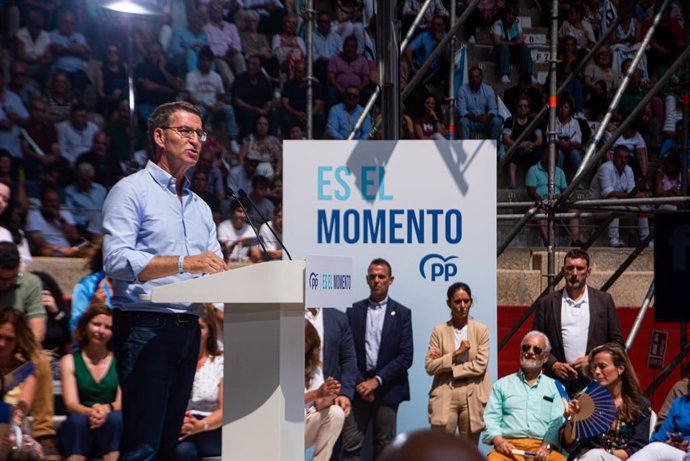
[[505, 448], [683, 446], [564, 371], [579, 364], [344, 402], [542, 453], [48, 302], [205, 263], [367, 388]]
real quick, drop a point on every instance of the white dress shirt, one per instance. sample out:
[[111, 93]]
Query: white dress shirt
[[574, 325], [376, 314]]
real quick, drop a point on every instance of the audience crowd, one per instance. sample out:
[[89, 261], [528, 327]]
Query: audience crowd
[[67, 134]]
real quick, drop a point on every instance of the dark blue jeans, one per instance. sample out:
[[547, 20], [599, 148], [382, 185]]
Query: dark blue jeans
[[156, 361], [76, 438]]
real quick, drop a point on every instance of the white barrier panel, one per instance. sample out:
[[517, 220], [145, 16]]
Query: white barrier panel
[[428, 207]]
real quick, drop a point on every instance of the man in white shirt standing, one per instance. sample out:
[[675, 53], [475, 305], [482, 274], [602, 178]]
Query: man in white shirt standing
[[615, 179], [576, 320], [75, 135]]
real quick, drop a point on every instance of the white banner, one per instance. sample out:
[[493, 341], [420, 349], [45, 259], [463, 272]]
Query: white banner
[[328, 282], [428, 207]]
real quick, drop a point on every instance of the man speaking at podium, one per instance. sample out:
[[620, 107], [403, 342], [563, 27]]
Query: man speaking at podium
[[157, 232]]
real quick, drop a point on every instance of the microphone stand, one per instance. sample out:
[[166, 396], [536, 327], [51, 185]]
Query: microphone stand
[[235, 196], [243, 194]]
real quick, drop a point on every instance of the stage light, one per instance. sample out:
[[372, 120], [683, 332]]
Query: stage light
[[141, 7]]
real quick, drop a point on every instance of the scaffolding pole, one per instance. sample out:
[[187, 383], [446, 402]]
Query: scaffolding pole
[[640, 317], [551, 139], [451, 76], [310, 67], [387, 47]]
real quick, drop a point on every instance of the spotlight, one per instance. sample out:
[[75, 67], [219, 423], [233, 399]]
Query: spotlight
[[140, 7]]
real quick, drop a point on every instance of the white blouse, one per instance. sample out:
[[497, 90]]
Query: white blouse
[[204, 400]]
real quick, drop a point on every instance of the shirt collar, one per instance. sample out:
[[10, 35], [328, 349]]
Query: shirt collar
[[165, 179], [521, 375], [572, 303], [376, 305]]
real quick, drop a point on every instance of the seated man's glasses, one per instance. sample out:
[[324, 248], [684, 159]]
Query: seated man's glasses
[[526, 348]]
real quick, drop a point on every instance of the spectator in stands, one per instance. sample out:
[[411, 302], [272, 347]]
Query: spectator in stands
[[94, 288], [107, 168], [429, 125], [120, 136], [52, 230], [262, 206], [509, 44], [459, 354], [628, 32], [75, 136], [668, 40], [287, 47], [156, 81], [576, 27], [675, 142], [224, 40], [32, 45], [23, 293], [91, 391], [564, 317], [19, 346], [485, 14], [200, 435], [111, 81], [670, 441], [236, 236], [668, 179], [680, 388], [57, 335], [271, 14], [639, 159], [431, 445], [8, 174], [327, 44], [346, 69], [188, 42], [525, 410], [412, 7], [199, 185], [240, 176], [323, 419], [256, 43], [205, 90], [530, 149], [84, 198], [610, 366], [568, 60], [537, 183], [206, 163], [568, 137], [343, 116], [419, 50], [26, 89], [252, 96], [60, 97], [274, 251], [477, 107], [525, 87], [595, 74], [71, 51], [10, 231], [293, 102], [13, 117], [631, 98], [267, 148]]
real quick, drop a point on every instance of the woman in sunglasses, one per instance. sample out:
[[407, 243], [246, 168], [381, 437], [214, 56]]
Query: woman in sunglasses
[[610, 366], [457, 358]]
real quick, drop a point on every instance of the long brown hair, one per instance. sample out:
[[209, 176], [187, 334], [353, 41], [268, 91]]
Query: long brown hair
[[27, 345], [211, 318], [312, 351], [631, 392]]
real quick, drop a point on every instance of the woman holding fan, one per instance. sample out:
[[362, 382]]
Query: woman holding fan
[[610, 366]]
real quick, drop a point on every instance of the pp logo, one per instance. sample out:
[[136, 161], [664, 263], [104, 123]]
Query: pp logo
[[313, 281], [438, 266]]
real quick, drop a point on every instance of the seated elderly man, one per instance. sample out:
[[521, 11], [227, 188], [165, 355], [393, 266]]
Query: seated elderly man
[[477, 107], [525, 411]]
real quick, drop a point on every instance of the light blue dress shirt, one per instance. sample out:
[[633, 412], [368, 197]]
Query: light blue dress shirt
[[376, 313], [144, 218], [516, 410], [325, 47], [341, 122], [479, 102]]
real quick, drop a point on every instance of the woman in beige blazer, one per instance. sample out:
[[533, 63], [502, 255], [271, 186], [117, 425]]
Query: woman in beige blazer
[[457, 358]]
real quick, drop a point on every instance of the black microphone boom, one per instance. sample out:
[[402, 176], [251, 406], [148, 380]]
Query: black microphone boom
[[243, 194], [233, 195]]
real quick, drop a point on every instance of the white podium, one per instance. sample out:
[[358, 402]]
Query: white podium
[[263, 393]]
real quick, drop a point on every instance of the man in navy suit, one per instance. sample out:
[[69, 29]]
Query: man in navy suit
[[576, 320], [382, 334]]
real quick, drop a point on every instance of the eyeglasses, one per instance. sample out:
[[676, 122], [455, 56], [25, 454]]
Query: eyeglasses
[[351, 95], [187, 132], [527, 347]]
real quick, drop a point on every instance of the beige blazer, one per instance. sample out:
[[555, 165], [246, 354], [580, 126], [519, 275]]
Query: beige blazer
[[472, 373]]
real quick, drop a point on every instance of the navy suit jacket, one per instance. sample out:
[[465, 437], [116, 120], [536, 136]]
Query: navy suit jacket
[[339, 351], [395, 350], [604, 325]]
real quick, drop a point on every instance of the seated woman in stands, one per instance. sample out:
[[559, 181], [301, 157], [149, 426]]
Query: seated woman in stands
[[91, 392], [201, 431], [429, 124], [610, 366]]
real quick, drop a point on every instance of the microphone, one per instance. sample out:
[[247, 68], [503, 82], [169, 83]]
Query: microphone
[[233, 195], [243, 194]]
